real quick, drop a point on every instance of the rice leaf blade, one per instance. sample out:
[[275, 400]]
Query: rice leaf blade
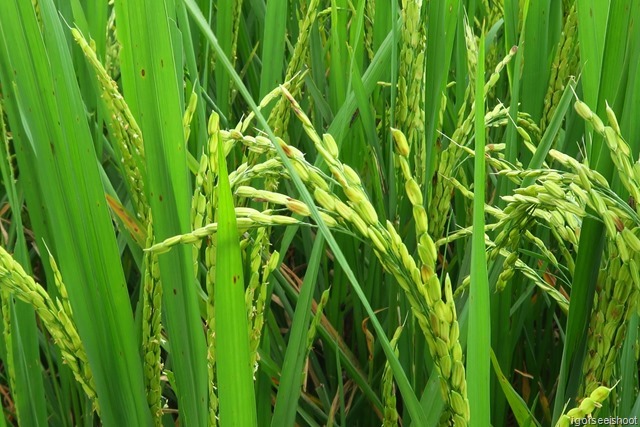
[[479, 332], [517, 404], [233, 366], [273, 49]]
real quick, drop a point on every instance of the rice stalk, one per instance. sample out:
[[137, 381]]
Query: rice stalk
[[188, 115], [257, 306], [152, 328], [471, 44], [391, 416], [616, 294], [199, 206], [313, 328], [124, 128], [564, 65], [14, 279], [312, 333], [428, 258], [237, 13], [63, 300], [279, 117], [112, 50], [409, 115], [213, 129], [615, 301], [6, 299], [316, 319], [441, 198], [494, 11], [369, 19], [256, 292], [247, 218], [547, 202]]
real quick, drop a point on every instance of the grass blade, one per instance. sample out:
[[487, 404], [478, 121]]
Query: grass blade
[[274, 46], [479, 332], [518, 406], [234, 370]]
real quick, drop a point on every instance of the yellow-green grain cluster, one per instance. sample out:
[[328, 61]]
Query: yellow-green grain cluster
[[213, 129], [258, 305], [508, 225], [436, 315], [369, 16], [614, 302], [152, 328], [199, 205], [125, 130], [587, 407], [54, 317], [6, 300], [409, 113], [564, 66], [388, 389], [279, 118], [440, 202]]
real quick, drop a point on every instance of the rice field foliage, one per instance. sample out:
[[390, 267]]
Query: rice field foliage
[[319, 213]]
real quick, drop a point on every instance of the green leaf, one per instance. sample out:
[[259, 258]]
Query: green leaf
[[479, 332], [233, 365], [518, 406]]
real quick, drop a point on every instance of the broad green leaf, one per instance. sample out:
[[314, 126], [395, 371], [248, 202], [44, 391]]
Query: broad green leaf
[[233, 366]]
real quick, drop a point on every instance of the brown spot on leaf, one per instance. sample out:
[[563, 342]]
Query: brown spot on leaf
[[143, 72]]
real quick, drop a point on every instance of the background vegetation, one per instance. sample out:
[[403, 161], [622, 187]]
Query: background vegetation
[[345, 213]]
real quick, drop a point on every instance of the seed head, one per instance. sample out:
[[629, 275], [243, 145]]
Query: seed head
[[402, 146]]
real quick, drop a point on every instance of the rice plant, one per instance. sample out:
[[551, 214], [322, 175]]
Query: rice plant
[[319, 213]]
